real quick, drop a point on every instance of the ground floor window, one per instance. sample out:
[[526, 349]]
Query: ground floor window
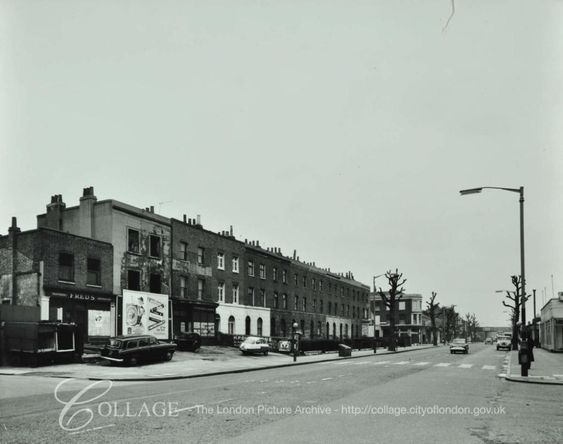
[[231, 327]]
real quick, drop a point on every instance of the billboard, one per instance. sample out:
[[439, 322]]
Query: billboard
[[145, 314]]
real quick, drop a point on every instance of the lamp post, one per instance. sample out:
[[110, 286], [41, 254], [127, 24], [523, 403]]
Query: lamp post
[[374, 291], [295, 340], [520, 191]]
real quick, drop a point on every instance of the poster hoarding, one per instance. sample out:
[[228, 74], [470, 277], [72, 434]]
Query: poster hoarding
[[145, 314]]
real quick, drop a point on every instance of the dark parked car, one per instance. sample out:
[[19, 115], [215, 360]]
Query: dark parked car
[[188, 341], [134, 349]]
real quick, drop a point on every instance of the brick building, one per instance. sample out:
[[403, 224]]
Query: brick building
[[69, 277], [207, 282], [408, 318], [141, 247]]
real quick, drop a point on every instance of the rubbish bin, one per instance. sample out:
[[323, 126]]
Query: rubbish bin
[[344, 350]]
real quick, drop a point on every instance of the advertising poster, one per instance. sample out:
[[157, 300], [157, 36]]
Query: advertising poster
[[145, 313], [99, 323]]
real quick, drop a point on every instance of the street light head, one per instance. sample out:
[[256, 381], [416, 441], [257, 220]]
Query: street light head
[[295, 325], [470, 191]]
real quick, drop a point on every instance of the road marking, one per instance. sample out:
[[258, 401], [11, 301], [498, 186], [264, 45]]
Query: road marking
[[465, 365], [92, 429], [188, 408], [488, 367], [343, 363], [443, 364], [380, 362], [422, 363], [401, 362], [326, 379], [361, 363]]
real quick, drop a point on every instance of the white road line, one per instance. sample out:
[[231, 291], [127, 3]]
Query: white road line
[[380, 362], [488, 367], [443, 364], [188, 408], [326, 379], [361, 363], [92, 429], [422, 363], [401, 362], [465, 365]]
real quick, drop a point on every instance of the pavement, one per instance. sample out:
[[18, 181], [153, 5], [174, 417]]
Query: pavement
[[207, 361], [217, 360], [547, 368]]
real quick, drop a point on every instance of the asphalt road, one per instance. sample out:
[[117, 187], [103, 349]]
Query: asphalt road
[[424, 396]]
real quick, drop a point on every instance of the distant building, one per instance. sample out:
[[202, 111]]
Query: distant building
[[408, 318], [551, 327]]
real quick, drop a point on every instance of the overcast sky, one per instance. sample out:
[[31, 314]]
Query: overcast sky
[[341, 129]]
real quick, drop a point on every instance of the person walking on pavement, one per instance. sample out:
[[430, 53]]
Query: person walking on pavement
[[530, 341]]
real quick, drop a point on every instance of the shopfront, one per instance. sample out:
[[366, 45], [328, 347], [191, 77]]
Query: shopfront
[[90, 312], [195, 316]]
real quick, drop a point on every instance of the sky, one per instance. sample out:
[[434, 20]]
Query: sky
[[341, 129]]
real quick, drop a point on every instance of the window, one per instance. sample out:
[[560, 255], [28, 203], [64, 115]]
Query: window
[[313, 284], [314, 305], [200, 255], [250, 296], [154, 246], [247, 326], [276, 300], [221, 291], [235, 293], [235, 264], [295, 279], [259, 327], [66, 267], [305, 281], [155, 283], [134, 280], [335, 309], [262, 301], [231, 327], [251, 268], [133, 241], [321, 308], [262, 271], [304, 303], [284, 276], [329, 307], [320, 285], [284, 301], [401, 305], [302, 327], [220, 261], [273, 327], [200, 288], [275, 274], [183, 286], [94, 271], [184, 251], [296, 305]]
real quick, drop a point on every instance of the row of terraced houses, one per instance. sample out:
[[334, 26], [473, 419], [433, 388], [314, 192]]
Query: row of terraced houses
[[112, 268]]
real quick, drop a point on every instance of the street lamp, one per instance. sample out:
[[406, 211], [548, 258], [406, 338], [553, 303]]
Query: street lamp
[[374, 291], [520, 191], [295, 340]]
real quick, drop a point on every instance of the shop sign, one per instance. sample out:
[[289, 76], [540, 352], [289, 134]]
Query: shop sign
[[81, 297]]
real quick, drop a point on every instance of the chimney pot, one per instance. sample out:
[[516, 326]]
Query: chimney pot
[[198, 219]]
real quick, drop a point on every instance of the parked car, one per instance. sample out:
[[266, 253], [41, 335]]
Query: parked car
[[188, 341], [253, 345], [489, 341], [134, 349], [504, 342], [459, 345]]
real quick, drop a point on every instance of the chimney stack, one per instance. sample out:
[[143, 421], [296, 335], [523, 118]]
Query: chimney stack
[[184, 218]]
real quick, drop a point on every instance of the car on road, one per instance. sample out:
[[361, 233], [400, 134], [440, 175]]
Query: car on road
[[459, 345], [254, 345], [131, 350], [504, 342], [188, 341], [489, 341]]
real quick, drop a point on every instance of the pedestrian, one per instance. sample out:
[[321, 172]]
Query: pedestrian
[[530, 341]]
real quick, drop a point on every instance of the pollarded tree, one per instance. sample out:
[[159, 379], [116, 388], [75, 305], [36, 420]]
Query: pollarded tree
[[390, 299], [432, 309], [515, 305]]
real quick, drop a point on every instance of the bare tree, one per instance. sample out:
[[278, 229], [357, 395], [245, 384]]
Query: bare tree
[[514, 306], [432, 309], [390, 299], [471, 324], [451, 322]]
